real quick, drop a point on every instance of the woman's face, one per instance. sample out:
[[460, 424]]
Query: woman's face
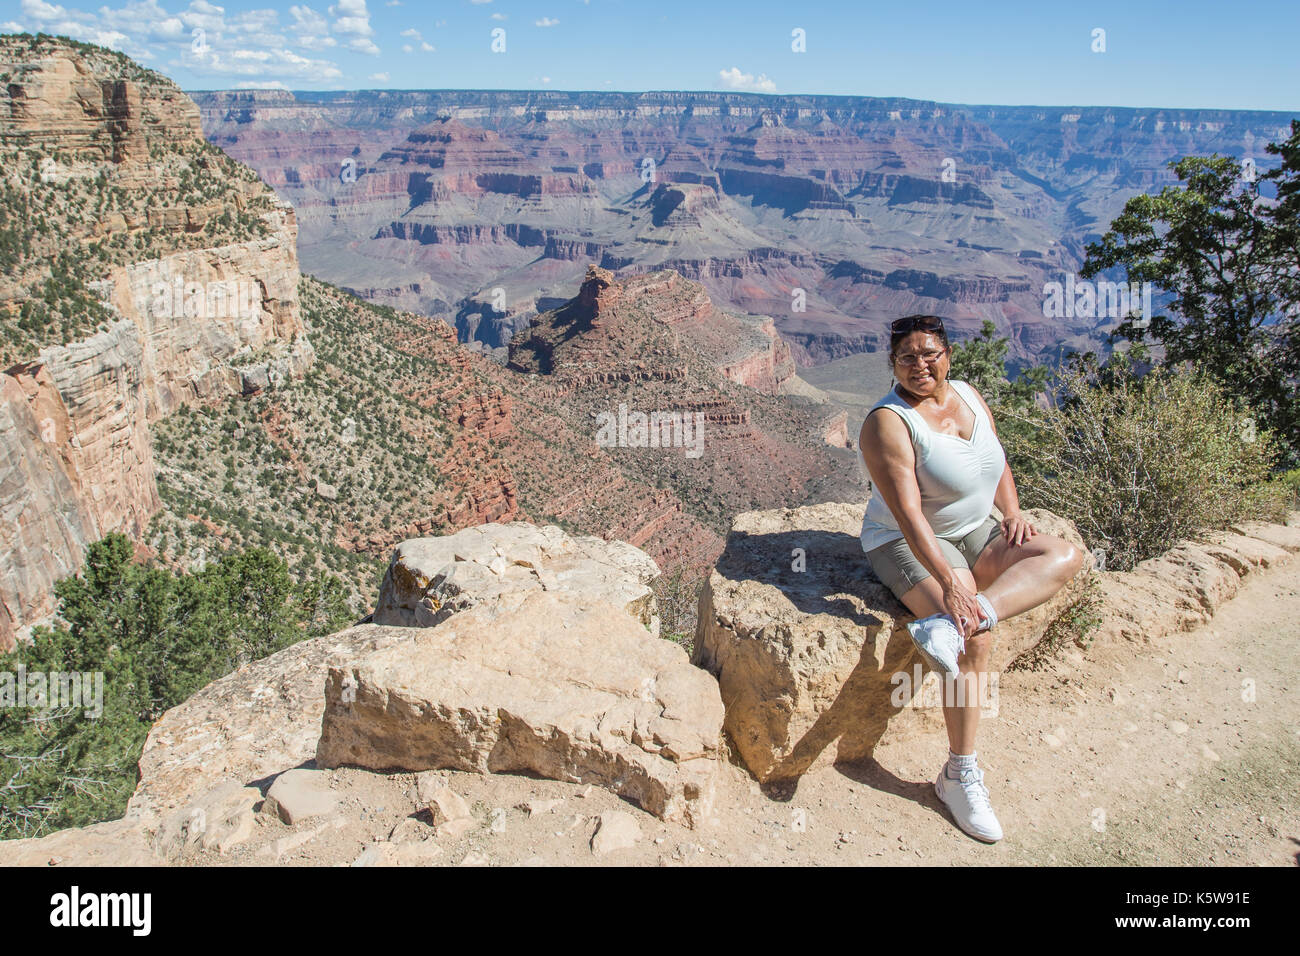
[[921, 362]]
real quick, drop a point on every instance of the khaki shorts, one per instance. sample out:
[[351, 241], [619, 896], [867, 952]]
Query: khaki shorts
[[900, 571]]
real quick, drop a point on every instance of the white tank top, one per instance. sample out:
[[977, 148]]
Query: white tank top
[[957, 477]]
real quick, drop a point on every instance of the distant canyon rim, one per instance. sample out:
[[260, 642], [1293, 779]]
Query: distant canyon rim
[[830, 214]]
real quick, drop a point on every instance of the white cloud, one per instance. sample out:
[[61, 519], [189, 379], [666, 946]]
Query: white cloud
[[407, 48], [308, 22], [171, 27], [735, 80], [10, 26], [136, 26], [258, 27], [312, 28], [545, 22], [205, 15], [426, 46], [352, 17], [43, 11], [51, 18], [498, 16], [411, 32], [129, 28], [247, 45], [254, 85], [379, 77], [262, 63]]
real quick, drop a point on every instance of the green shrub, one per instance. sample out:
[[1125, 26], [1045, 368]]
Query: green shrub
[[156, 637], [1290, 484], [1139, 462]]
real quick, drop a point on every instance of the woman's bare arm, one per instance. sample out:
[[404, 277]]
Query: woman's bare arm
[[1015, 527]]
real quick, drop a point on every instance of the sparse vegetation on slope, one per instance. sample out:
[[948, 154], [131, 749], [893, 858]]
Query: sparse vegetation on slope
[[309, 465], [141, 639], [127, 191]]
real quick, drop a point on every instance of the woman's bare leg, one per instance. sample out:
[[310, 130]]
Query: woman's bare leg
[[1015, 578], [924, 599]]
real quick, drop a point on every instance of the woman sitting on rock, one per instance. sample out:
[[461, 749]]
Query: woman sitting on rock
[[937, 469]]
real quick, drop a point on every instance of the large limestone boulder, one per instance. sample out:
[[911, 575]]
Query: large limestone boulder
[[429, 579], [250, 725], [557, 684], [806, 643]]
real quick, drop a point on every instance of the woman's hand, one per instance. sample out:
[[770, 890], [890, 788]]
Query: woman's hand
[[1017, 529], [962, 607]]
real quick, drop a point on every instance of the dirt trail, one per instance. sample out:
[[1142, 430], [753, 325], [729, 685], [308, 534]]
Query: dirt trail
[[1137, 754]]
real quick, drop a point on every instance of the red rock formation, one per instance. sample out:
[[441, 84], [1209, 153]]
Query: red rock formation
[[836, 430], [608, 351], [75, 458], [486, 414], [974, 189]]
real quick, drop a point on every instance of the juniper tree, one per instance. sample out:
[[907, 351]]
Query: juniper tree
[[1230, 260]]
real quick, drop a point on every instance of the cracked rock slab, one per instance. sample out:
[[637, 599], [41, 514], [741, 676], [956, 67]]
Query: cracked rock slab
[[429, 579], [556, 684], [248, 726]]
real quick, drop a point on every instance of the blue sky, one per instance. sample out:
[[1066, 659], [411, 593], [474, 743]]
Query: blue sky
[[1191, 54]]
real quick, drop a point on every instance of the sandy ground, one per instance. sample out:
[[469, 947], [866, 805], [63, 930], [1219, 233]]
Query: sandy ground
[[1183, 751]]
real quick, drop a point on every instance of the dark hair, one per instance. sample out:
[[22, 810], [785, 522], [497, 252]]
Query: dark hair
[[900, 329]]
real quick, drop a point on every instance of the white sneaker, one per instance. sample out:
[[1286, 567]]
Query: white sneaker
[[968, 800], [938, 641]]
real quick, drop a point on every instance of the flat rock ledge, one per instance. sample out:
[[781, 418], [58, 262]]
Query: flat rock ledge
[[1182, 588], [429, 579], [806, 643], [557, 684], [250, 725]]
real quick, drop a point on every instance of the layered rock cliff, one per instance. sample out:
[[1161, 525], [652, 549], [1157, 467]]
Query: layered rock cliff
[[186, 266], [709, 387], [874, 207]]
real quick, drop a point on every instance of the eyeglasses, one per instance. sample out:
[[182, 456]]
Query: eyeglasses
[[913, 358], [916, 323]]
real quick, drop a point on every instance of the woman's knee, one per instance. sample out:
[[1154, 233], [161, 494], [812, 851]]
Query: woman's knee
[[1069, 558], [1066, 559]]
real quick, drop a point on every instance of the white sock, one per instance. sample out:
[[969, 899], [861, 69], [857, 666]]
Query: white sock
[[959, 762], [989, 614]]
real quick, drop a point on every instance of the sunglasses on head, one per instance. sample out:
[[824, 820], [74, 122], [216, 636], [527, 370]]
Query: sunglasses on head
[[916, 323]]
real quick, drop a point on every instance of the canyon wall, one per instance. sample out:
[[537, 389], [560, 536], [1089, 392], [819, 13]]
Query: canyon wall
[[873, 207], [195, 325]]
